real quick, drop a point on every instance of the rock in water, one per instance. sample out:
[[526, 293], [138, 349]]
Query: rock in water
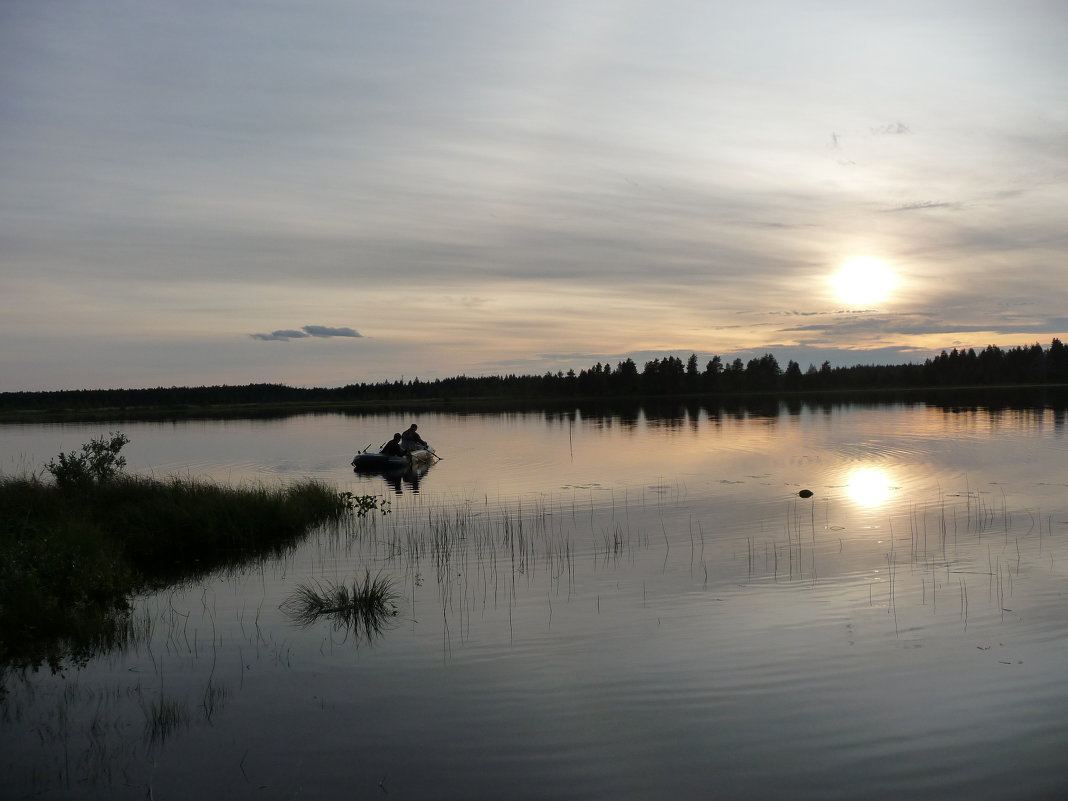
[[805, 493]]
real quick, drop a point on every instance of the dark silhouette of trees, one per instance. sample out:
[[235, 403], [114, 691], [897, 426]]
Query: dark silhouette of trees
[[792, 378], [1057, 362], [734, 377], [763, 374], [713, 371], [663, 376], [667, 376], [693, 376]]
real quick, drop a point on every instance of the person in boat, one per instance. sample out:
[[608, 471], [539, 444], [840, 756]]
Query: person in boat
[[411, 441], [394, 447]]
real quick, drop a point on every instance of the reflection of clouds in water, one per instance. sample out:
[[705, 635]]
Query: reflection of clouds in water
[[869, 486]]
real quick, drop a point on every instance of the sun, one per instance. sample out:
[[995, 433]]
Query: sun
[[863, 281]]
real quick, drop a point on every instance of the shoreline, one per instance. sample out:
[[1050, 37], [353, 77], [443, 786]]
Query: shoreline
[[277, 409]]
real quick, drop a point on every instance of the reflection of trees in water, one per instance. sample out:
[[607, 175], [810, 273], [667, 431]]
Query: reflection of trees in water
[[678, 414], [1033, 404], [1033, 411]]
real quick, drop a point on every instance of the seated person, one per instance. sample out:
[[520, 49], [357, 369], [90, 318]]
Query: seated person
[[394, 447], [411, 441]]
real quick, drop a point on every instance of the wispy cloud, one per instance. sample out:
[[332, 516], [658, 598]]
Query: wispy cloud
[[922, 205], [836, 312], [319, 331], [929, 325], [891, 129]]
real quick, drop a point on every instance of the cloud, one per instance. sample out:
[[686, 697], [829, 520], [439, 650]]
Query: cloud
[[894, 129], [836, 312], [922, 204], [327, 331], [279, 336], [929, 324], [319, 331]]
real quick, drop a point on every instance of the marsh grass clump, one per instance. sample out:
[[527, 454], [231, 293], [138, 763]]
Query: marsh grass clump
[[73, 549], [181, 521], [364, 609]]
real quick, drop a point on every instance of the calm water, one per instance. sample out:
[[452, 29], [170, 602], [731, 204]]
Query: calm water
[[599, 606]]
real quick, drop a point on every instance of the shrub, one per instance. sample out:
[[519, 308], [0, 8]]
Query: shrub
[[98, 463], [363, 504]]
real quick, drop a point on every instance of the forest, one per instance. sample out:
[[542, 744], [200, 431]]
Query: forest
[[667, 376]]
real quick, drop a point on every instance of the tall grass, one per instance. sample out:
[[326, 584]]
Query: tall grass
[[71, 553], [180, 520]]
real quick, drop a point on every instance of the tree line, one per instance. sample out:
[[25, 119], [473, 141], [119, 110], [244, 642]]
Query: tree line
[[670, 375]]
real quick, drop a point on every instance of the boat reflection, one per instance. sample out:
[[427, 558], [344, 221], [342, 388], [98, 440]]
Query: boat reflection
[[399, 478]]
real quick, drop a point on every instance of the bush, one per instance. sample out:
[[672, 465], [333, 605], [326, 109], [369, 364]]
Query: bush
[[98, 463]]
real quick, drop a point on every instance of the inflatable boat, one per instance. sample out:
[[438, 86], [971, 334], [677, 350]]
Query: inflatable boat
[[374, 462]]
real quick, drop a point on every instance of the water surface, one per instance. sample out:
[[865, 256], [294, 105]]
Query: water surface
[[599, 606]]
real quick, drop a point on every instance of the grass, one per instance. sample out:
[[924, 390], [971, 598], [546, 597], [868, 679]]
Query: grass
[[71, 554], [180, 521], [365, 609]]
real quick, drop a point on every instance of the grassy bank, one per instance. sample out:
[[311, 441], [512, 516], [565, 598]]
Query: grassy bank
[[74, 548]]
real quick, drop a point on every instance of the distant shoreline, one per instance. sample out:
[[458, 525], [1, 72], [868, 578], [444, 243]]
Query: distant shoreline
[[659, 381], [965, 394]]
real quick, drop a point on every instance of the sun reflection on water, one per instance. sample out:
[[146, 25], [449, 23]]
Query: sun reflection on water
[[869, 487]]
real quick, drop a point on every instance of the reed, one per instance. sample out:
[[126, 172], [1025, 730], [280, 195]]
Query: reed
[[366, 609]]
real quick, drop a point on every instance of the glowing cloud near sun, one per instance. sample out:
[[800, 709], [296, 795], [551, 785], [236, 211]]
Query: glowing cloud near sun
[[863, 282]]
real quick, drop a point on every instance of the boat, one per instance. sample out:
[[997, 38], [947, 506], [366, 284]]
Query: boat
[[375, 462]]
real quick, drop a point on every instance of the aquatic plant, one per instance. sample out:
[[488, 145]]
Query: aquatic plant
[[365, 504], [72, 550], [365, 609]]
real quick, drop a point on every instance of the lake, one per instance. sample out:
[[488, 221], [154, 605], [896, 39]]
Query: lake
[[617, 604]]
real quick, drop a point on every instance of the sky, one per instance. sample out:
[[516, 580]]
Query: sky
[[342, 191]]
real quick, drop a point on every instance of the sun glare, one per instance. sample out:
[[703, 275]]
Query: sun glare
[[863, 282], [869, 487]]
